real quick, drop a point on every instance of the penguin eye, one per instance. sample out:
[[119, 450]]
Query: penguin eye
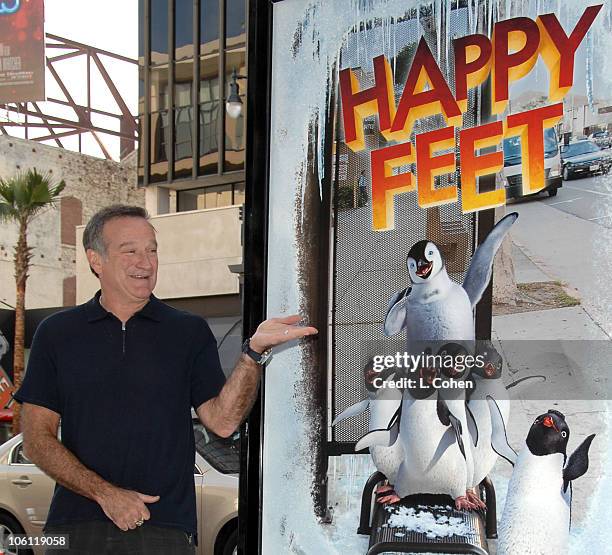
[[430, 253], [564, 434]]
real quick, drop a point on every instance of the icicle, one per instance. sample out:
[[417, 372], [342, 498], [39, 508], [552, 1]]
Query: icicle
[[490, 17], [438, 19], [475, 16], [447, 33], [507, 12], [589, 71]]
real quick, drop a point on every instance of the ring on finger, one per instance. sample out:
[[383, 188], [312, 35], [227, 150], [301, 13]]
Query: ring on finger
[[139, 522], [286, 332]]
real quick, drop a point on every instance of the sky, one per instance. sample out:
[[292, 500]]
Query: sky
[[111, 25]]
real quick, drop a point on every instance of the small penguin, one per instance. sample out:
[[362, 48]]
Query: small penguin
[[537, 515], [383, 403], [432, 310]]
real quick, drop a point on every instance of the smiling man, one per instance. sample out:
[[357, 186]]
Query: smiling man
[[122, 372]]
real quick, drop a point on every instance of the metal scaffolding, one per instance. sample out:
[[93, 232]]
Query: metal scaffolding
[[33, 116]]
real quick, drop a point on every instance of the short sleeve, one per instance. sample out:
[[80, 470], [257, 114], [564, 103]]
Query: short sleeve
[[207, 377], [40, 384]]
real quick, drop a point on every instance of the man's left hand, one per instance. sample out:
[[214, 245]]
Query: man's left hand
[[277, 331]]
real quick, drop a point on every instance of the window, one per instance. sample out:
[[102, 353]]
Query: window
[[204, 141], [216, 196], [19, 457]]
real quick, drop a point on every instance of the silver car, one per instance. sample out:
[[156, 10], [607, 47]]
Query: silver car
[[26, 491]]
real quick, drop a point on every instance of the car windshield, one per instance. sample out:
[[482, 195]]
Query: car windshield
[[577, 149], [223, 454], [512, 147]]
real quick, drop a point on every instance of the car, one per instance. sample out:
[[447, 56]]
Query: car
[[26, 491], [584, 158], [601, 138], [513, 169]]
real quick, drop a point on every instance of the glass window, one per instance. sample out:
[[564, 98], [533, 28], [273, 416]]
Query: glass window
[[209, 125], [183, 161], [235, 22], [209, 26], [19, 456], [183, 79], [159, 88], [209, 82], [235, 60], [235, 140], [183, 29], [159, 31], [160, 141], [141, 149]]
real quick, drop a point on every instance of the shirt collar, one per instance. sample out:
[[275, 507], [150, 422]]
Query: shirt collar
[[95, 311]]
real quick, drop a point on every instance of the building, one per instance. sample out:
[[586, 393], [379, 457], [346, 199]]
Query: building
[[192, 157]]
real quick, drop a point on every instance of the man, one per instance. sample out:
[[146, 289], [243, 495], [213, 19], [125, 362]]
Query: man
[[123, 371], [363, 189]]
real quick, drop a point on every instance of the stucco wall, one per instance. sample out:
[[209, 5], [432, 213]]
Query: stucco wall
[[92, 183]]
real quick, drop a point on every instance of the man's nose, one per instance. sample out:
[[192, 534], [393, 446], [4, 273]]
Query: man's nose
[[145, 261]]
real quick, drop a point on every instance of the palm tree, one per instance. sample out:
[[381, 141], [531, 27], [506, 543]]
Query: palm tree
[[21, 198]]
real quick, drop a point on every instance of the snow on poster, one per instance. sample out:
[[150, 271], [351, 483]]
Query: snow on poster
[[440, 209]]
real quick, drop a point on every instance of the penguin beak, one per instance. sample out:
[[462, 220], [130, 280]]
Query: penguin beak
[[424, 268], [549, 423]]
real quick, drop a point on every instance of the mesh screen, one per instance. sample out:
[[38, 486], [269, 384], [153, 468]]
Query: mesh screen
[[370, 266]]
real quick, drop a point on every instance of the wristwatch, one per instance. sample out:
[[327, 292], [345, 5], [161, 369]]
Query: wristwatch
[[259, 358]]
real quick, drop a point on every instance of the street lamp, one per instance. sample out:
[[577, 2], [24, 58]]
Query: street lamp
[[233, 105]]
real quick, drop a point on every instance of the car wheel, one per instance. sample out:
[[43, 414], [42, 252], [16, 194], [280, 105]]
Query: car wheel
[[231, 545], [566, 174], [552, 192], [8, 526]]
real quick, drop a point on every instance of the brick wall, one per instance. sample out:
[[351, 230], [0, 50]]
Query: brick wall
[[91, 184]]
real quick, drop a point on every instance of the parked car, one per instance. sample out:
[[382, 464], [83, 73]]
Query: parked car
[[584, 158], [513, 165], [26, 491], [601, 139]]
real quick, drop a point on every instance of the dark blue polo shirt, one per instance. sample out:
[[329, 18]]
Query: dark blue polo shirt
[[125, 394]]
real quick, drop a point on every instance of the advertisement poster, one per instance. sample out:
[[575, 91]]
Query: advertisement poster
[[22, 51], [417, 150]]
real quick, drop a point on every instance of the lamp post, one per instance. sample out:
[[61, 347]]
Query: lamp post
[[233, 105]]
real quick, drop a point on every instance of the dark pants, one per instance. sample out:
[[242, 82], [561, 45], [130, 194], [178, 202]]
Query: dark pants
[[105, 538]]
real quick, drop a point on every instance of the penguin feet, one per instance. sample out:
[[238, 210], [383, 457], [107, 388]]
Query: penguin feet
[[463, 503], [473, 498], [384, 488], [387, 496]]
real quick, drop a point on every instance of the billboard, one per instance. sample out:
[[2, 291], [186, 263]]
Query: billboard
[[22, 51], [422, 210]]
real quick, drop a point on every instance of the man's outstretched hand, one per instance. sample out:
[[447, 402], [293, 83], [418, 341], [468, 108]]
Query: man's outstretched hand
[[277, 331]]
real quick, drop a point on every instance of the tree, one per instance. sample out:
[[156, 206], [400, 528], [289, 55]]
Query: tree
[[21, 198]]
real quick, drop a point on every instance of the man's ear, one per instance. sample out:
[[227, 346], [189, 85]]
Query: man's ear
[[95, 261]]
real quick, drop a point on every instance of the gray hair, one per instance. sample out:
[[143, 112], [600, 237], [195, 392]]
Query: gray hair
[[92, 236]]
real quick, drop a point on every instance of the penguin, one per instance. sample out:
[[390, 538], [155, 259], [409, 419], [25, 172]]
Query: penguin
[[439, 461], [435, 309], [487, 380], [537, 515], [383, 403], [488, 384]]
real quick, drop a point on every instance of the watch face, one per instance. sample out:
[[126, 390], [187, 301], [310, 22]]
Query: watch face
[[265, 356]]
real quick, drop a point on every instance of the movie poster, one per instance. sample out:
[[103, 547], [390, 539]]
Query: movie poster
[[22, 51], [440, 208]]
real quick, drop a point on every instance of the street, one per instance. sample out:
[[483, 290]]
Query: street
[[568, 237], [588, 198]]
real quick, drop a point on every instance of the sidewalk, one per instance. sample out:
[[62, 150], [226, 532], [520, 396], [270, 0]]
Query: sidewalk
[[584, 416]]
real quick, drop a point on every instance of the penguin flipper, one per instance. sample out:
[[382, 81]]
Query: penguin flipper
[[472, 426], [447, 418], [521, 384], [481, 266], [578, 463], [353, 410], [383, 437], [395, 319], [499, 437]]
